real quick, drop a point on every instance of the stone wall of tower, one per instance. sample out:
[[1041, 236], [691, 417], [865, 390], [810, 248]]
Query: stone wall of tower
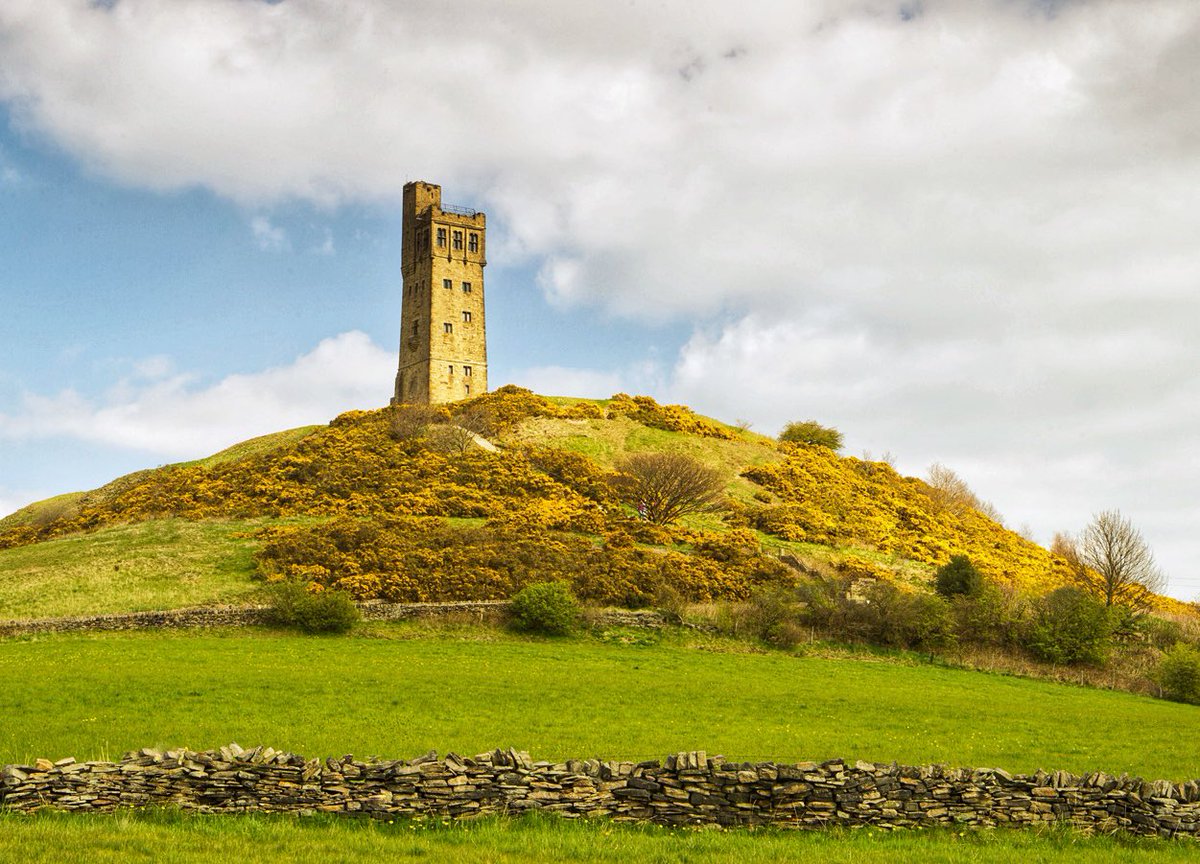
[[443, 340]]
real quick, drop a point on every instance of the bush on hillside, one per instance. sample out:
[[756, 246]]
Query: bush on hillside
[[548, 608], [663, 487], [294, 606], [771, 615], [813, 433], [1178, 673], [906, 620], [1068, 627], [958, 577], [991, 616], [672, 418], [411, 423], [408, 559], [877, 613]]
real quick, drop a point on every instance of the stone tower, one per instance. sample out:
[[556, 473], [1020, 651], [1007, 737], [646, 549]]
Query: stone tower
[[443, 345]]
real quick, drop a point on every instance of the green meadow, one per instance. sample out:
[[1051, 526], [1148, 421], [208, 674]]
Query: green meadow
[[400, 690], [175, 839]]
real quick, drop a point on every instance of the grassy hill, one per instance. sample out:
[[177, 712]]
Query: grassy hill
[[405, 507], [368, 505]]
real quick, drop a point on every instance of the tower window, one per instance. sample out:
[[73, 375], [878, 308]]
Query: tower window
[[467, 371], [466, 287], [473, 242], [466, 317], [447, 283], [441, 236], [447, 327], [451, 367], [458, 238], [416, 327], [467, 389]]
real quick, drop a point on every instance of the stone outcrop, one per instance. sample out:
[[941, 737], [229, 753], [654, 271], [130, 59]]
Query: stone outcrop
[[685, 789]]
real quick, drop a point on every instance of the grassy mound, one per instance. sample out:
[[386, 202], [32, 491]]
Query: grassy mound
[[544, 486]]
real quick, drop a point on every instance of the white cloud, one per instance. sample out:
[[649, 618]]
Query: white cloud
[[170, 415], [1051, 426], [269, 237], [967, 236]]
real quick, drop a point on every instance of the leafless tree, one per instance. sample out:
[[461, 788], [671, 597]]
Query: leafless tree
[[665, 486], [1112, 561], [412, 422], [467, 428], [951, 493]]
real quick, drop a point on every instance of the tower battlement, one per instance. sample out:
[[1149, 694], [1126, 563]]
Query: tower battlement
[[443, 343]]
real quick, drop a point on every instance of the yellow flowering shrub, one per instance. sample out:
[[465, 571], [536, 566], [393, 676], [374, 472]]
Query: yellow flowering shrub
[[839, 501], [673, 418], [419, 559]]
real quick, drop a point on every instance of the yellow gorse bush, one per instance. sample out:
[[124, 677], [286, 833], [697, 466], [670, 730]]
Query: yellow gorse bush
[[377, 501], [843, 501]]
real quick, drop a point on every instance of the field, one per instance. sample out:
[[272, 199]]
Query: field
[[166, 837], [162, 564], [399, 690], [405, 689]]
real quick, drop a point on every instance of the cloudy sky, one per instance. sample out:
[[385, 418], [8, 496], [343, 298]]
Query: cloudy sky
[[961, 231]]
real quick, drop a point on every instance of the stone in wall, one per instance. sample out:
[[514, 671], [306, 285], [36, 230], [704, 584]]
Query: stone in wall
[[688, 788]]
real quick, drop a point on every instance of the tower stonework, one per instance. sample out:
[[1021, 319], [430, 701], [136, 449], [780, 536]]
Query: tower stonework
[[443, 343]]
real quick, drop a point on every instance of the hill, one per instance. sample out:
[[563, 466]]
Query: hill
[[404, 504]]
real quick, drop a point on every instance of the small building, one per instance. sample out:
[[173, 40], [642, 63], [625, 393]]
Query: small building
[[443, 343]]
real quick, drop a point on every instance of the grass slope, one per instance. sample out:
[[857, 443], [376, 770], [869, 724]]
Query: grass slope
[[163, 564], [168, 837], [410, 689], [868, 518]]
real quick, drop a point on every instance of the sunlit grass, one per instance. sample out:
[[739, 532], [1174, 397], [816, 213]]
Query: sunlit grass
[[163, 564], [97, 695], [256, 446], [165, 836]]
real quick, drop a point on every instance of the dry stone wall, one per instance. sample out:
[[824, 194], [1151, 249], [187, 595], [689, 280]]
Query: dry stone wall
[[685, 789], [241, 616]]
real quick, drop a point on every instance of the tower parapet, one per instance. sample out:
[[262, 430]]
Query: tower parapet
[[443, 343]]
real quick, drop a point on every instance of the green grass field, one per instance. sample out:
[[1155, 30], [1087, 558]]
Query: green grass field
[[405, 689], [171, 838], [164, 564]]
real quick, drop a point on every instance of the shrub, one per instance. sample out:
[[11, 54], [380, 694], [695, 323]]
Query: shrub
[[1068, 627], [545, 607], [903, 620], [812, 432], [673, 418], [665, 486], [293, 605], [959, 576], [1178, 673], [990, 616], [1161, 633], [772, 616], [411, 423]]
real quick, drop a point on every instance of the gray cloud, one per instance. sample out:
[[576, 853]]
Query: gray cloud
[[961, 229]]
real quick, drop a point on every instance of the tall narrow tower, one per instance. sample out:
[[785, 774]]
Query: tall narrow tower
[[443, 344]]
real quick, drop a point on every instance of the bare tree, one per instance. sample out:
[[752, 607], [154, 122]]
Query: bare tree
[[666, 486], [411, 422], [1112, 561], [951, 493]]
